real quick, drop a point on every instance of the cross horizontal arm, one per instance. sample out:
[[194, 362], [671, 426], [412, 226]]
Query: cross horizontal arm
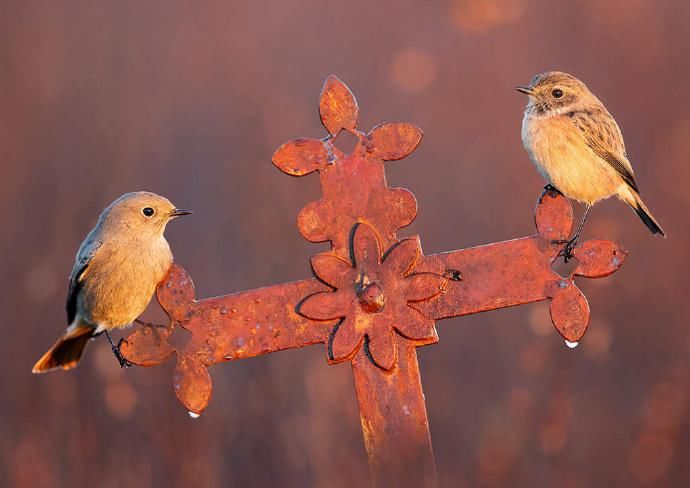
[[265, 320], [519, 271], [254, 323], [225, 328], [229, 327], [492, 276]]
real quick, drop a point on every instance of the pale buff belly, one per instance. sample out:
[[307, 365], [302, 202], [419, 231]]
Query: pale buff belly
[[562, 157], [117, 291]]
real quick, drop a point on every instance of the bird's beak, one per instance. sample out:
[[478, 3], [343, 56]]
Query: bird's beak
[[525, 89], [179, 212]]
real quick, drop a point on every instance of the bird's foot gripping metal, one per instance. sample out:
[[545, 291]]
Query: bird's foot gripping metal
[[124, 364], [567, 253], [550, 190]]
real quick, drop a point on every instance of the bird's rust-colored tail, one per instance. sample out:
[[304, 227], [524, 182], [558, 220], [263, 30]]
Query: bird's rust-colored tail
[[66, 352], [634, 200]]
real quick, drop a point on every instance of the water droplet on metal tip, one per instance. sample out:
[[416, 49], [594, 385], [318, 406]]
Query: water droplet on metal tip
[[194, 415], [571, 345]]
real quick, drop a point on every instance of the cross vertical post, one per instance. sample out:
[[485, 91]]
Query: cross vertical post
[[394, 422]]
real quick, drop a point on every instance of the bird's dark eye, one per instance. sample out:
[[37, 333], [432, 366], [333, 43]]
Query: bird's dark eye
[[557, 93], [148, 211]]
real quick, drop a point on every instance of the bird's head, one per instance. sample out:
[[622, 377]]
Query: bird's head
[[555, 91], [141, 213]]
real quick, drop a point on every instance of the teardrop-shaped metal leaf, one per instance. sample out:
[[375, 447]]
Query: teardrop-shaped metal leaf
[[394, 140], [326, 305], [301, 156], [412, 324], [175, 292], [366, 250], [554, 216], [598, 258], [192, 383], [403, 256], [383, 347], [147, 346], [332, 270], [337, 106], [345, 340], [424, 286], [569, 312]]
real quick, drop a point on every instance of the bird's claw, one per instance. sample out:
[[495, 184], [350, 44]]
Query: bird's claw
[[567, 251], [550, 190], [124, 364]]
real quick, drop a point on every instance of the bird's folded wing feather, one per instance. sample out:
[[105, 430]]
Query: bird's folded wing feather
[[603, 136], [86, 253]]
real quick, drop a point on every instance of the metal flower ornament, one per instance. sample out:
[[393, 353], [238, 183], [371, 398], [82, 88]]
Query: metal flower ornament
[[375, 297]]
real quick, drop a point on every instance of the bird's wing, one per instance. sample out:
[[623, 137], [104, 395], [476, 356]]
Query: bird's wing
[[86, 253], [602, 135]]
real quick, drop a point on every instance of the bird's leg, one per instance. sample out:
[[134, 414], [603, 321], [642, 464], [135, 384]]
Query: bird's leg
[[550, 190], [116, 351], [567, 251]]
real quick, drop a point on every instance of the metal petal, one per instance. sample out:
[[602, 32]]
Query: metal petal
[[554, 216], [176, 292], [313, 222], [394, 140], [382, 345], [402, 257], [569, 311], [366, 250], [345, 340], [327, 305], [598, 258], [412, 324], [147, 346], [401, 207], [301, 156], [337, 106], [192, 383], [423, 286], [334, 271]]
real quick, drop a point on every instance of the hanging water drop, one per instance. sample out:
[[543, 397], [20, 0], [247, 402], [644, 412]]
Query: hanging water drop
[[571, 345], [194, 415]]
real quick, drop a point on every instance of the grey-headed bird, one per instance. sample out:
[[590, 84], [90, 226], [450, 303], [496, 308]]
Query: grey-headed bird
[[117, 269], [576, 145]]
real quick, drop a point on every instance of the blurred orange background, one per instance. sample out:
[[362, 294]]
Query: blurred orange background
[[190, 99]]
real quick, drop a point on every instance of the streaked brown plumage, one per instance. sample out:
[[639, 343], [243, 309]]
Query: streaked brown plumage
[[115, 274], [576, 145]]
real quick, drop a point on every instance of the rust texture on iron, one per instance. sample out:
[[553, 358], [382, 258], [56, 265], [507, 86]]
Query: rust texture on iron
[[374, 297]]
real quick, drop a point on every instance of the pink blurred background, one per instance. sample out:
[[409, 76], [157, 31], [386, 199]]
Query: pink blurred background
[[191, 99]]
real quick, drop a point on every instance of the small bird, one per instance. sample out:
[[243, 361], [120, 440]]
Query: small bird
[[576, 145], [117, 269]]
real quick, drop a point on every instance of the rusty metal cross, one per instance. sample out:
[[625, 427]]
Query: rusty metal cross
[[374, 298]]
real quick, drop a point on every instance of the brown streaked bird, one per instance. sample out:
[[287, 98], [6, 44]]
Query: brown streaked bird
[[117, 269], [576, 145]]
